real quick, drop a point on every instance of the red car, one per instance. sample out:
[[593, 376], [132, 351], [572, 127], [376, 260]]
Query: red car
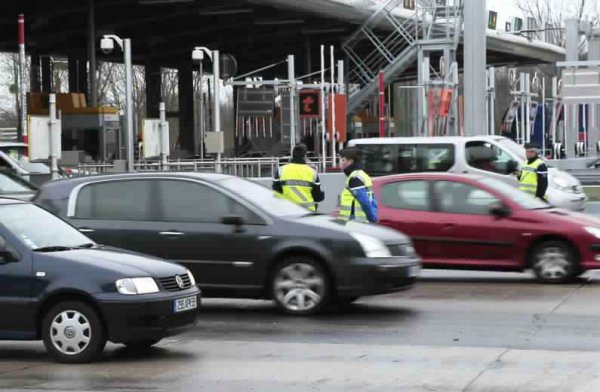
[[459, 221]]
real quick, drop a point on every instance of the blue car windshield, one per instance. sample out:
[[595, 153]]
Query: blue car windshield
[[37, 228]]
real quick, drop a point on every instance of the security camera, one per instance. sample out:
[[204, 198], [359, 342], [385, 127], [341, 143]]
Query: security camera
[[107, 45]]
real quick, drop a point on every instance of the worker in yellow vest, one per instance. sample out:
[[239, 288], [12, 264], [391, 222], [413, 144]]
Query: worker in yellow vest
[[533, 176], [357, 201], [299, 182]]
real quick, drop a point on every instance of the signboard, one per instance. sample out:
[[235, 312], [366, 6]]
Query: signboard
[[152, 138], [310, 103], [256, 102], [39, 138]]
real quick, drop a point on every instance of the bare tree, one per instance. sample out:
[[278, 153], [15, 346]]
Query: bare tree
[[553, 13]]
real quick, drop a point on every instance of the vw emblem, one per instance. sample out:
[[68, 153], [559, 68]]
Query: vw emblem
[[179, 281]]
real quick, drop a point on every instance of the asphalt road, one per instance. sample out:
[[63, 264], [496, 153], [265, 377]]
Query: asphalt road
[[456, 331]]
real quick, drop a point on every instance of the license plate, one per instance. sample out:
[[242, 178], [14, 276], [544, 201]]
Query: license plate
[[414, 271], [183, 304]]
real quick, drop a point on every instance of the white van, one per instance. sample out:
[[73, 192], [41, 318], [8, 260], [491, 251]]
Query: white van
[[491, 156]]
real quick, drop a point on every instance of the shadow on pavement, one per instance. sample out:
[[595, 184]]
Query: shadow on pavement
[[261, 311], [114, 353]]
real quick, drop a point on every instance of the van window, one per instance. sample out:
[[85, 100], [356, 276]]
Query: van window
[[487, 156], [384, 159]]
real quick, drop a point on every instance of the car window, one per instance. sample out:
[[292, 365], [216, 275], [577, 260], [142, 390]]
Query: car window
[[406, 195], [115, 200], [10, 183], [262, 197], [185, 201], [487, 156], [460, 198], [384, 159], [37, 228]]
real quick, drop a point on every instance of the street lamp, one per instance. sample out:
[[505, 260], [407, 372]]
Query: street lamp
[[198, 55], [107, 45]]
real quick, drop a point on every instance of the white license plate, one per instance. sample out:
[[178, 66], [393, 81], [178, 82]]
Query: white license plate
[[414, 271], [183, 304]]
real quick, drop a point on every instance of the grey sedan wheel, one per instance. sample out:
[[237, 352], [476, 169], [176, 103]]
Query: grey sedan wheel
[[554, 262], [300, 286]]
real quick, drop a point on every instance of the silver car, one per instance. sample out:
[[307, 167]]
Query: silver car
[[490, 156]]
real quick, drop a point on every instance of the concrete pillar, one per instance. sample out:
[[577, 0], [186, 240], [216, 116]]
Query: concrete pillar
[[474, 67], [594, 48], [572, 38], [186, 106], [34, 73], [594, 54], [46, 74], [571, 110], [153, 89]]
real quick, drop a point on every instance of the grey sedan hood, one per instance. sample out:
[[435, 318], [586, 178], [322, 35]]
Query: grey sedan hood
[[384, 234]]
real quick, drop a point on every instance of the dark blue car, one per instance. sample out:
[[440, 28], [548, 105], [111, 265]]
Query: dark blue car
[[59, 286]]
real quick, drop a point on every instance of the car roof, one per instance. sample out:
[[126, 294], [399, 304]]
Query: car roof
[[8, 200], [428, 176], [423, 139], [74, 181]]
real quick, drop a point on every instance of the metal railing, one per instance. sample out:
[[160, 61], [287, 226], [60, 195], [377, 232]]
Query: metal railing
[[241, 167]]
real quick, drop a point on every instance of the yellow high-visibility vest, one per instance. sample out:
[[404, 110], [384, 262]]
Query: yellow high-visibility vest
[[529, 179], [297, 181], [348, 201]]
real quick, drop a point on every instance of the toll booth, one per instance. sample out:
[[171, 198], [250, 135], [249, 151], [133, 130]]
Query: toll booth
[[95, 131]]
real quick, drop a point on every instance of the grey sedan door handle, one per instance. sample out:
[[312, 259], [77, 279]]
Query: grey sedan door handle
[[171, 233], [86, 230]]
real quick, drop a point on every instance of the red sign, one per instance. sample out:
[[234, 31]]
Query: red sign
[[310, 103], [340, 117]]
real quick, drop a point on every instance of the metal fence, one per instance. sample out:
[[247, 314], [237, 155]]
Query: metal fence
[[242, 167]]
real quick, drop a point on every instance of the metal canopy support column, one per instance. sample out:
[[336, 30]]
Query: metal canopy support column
[[594, 131], [93, 85], [186, 106], [420, 95], [34, 72], [46, 74], [474, 67], [571, 110], [153, 88]]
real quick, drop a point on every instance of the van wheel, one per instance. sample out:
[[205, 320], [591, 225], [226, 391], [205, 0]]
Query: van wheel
[[73, 332], [300, 286], [554, 262]]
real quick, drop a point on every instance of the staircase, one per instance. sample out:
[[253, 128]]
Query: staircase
[[388, 43]]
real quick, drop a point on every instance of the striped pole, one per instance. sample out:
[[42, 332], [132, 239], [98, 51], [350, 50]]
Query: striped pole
[[21, 82]]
